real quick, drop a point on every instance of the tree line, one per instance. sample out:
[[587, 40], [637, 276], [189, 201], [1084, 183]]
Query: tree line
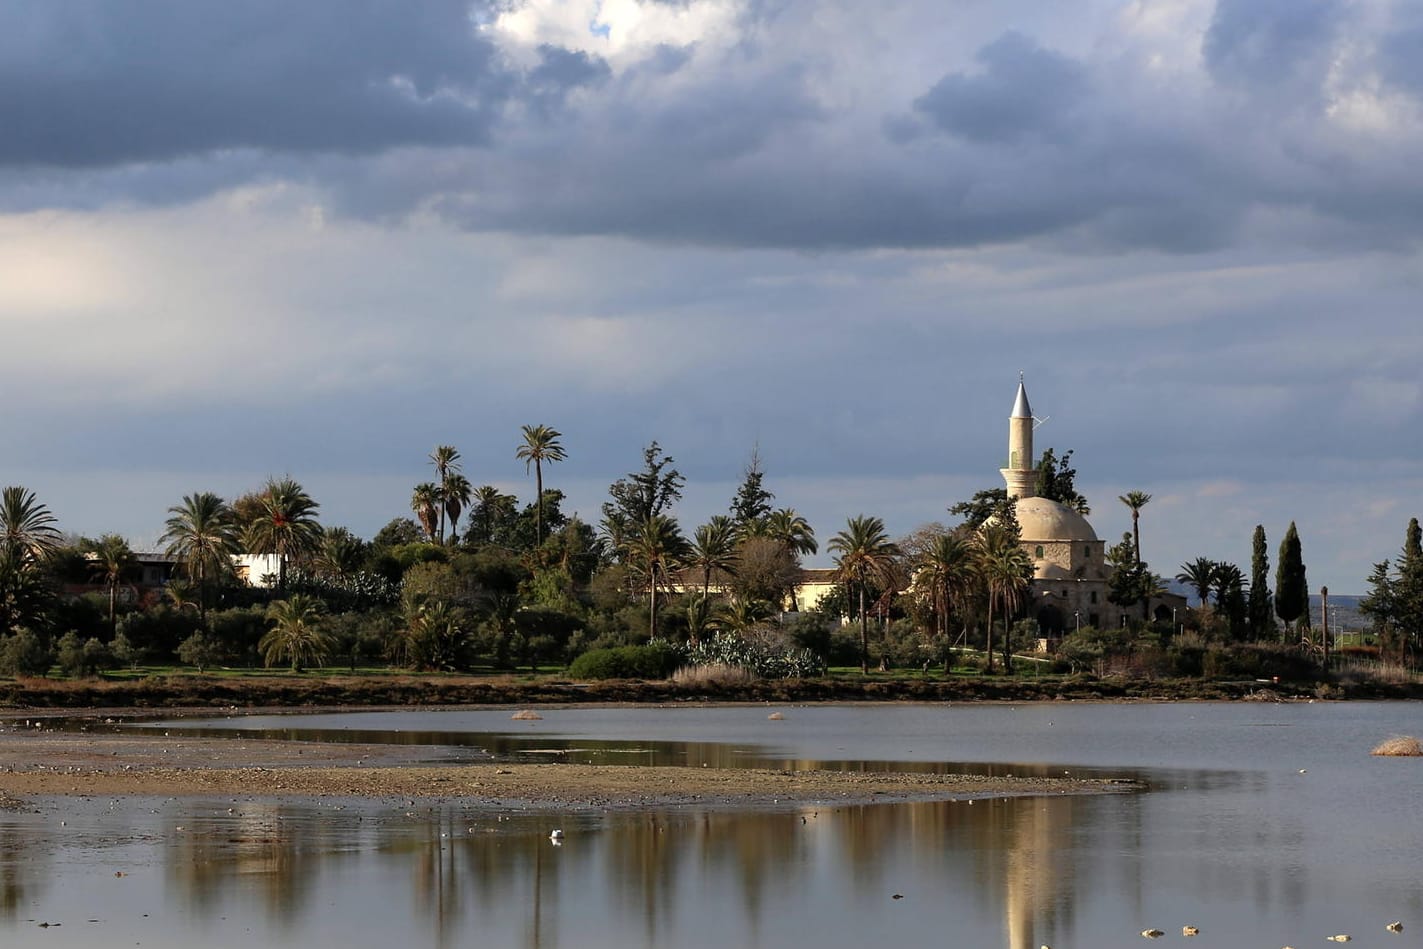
[[473, 579]]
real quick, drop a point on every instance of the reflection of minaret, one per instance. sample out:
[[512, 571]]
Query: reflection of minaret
[[1020, 476]]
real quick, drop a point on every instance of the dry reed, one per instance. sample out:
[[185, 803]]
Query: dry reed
[[713, 674], [1400, 746]]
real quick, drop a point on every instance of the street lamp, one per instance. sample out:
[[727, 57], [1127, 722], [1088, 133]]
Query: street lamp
[[1077, 615], [1174, 629]]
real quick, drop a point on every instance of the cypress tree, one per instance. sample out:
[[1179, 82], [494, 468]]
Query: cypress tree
[[1291, 589], [1408, 588], [1261, 608], [752, 503]]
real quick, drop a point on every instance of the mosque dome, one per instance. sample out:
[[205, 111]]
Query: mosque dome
[[1043, 520]]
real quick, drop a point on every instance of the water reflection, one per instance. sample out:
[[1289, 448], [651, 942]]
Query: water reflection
[[1279, 853]]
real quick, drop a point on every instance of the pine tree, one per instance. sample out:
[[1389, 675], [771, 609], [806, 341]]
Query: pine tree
[[752, 503], [1408, 588], [1291, 588], [1262, 605]]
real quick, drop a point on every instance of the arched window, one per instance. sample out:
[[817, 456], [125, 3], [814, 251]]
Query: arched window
[[1038, 552]]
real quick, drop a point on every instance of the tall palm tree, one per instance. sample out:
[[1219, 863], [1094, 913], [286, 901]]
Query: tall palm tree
[[295, 634], [1007, 570], [27, 528], [865, 553], [655, 547], [286, 525], [713, 549], [1136, 500], [202, 533], [541, 444], [425, 503], [948, 568], [111, 559], [446, 459], [792, 531], [1201, 574], [456, 495]]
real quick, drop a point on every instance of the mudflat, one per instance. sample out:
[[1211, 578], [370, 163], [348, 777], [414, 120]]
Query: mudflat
[[36, 760]]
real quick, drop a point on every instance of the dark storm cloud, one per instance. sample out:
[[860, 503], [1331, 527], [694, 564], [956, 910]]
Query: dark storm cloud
[[103, 82], [1272, 43], [1024, 91], [766, 140]]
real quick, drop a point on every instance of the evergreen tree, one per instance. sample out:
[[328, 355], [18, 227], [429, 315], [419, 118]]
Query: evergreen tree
[[1291, 588], [1408, 590], [752, 503], [1057, 481], [1261, 607], [641, 496]]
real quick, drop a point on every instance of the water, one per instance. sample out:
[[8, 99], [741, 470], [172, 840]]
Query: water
[[1230, 837]]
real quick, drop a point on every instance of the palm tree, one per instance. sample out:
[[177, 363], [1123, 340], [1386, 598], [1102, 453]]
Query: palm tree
[[202, 533], [655, 547], [425, 503], [792, 531], [1136, 500], [540, 444], [949, 569], [341, 553], [456, 494], [295, 634], [1005, 568], [286, 525], [26, 526], [1201, 574], [713, 549], [446, 459], [865, 553], [110, 558]]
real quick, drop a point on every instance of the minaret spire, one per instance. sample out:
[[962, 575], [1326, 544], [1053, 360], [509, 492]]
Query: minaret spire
[[1021, 476]]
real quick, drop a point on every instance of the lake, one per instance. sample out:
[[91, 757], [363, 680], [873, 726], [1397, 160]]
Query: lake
[[1263, 825]]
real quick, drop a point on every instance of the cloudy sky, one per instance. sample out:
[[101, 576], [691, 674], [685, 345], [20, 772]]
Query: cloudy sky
[[319, 238]]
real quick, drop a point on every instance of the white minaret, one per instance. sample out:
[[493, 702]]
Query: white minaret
[[1020, 476]]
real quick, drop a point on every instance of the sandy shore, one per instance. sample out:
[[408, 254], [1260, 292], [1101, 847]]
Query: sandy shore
[[37, 761]]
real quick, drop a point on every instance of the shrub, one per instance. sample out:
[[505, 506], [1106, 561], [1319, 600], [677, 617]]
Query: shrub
[[80, 657], [765, 652], [25, 654], [656, 660], [200, 650]]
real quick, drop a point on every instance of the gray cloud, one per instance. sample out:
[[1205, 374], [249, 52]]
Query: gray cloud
[[1273, 44], [102, 82], [1024, 91]]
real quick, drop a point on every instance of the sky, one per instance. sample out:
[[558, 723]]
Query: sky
[[318, 239]]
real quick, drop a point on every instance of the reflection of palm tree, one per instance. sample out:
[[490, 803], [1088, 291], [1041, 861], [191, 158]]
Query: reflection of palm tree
[[1006, 569], [949, 569], [655, 547], [201, 532], [446, 459], [540, 445], [111, 558], [865, 553], [295, 635], [425, 503], [1136, 500], [286, 525]]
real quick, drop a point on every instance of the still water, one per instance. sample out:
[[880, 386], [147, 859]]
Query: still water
[[1264, 825]]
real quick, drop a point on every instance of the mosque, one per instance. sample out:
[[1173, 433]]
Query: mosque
[[1070, 570]]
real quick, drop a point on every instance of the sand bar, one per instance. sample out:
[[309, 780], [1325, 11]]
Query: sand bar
[[36, 760]]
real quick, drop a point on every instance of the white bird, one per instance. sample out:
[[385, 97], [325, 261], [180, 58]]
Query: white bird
[[556, 835]]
